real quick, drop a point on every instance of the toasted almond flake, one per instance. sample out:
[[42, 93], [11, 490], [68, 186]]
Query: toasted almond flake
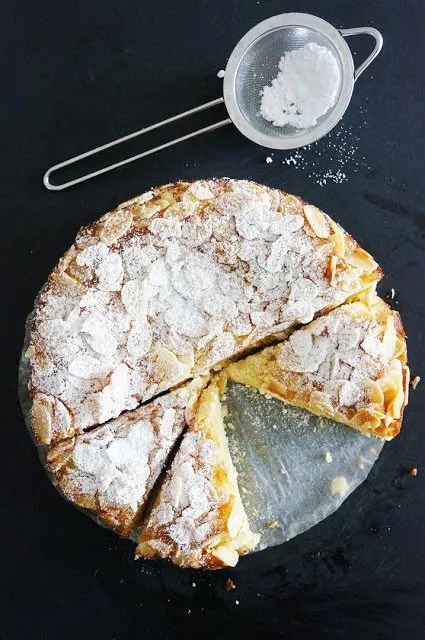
[[317, 221], [115, 225], [226, 555], [413, 472], [332, 269], [362, 259], [273, 524], [414, 383]]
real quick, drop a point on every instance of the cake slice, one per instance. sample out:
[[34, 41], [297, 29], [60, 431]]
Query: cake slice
[[197, 519], [111, 470], [349, 365]]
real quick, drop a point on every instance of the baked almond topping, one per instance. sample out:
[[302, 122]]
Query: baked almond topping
[[346, 365], [173, 283]]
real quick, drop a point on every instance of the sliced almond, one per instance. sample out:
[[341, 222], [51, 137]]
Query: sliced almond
[[169, 365], [375, 392], [362, 260], [390, 337], [332, 269], [138, 200], [115, 225], [400, 348], [183, 209], [234, 520], [200, 190], [290, 204], [317, 221], [338, 240], [228, 556], [395, 407], [42, 418], [214, 541]]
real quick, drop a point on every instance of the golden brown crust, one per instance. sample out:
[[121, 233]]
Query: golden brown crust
[[380, 391]]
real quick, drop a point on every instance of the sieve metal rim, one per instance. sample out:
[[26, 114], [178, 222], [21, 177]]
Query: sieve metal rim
[[303, 20]]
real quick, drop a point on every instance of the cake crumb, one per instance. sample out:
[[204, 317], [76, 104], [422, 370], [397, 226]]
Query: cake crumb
[[236, 601], [413, 472], [361, 462], [339, 485], [414, 383], [194, 584], [230, 585], [273, 524], [220, 74], [269, 159], [328, 456]]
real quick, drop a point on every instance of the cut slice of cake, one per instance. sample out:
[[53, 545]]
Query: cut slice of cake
[[197, 518], [111, 470], [349, 365]]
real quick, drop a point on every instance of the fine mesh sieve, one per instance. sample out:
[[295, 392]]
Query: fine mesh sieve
[[259, 65], [252, 65]]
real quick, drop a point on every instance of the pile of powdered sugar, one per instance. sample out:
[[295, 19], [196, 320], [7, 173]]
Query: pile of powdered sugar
[[305, 88]]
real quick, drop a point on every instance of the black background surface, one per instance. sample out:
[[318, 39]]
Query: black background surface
[[75, 74]]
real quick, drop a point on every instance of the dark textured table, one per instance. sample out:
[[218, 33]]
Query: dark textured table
[[76, 74]]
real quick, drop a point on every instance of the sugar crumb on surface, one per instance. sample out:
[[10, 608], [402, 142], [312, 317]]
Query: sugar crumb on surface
[[328, 456], [413, 471], [339, 486]]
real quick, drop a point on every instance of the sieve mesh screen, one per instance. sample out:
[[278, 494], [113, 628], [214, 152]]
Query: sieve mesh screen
[[259, 65]]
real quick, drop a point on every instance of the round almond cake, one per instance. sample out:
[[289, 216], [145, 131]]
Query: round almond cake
[[156, 297]]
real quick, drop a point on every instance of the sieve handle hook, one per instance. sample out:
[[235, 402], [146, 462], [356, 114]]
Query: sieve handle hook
[[64, 185], [370, 31]]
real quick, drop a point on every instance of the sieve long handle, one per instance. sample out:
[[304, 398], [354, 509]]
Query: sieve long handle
[[370, 31], [135, 134]]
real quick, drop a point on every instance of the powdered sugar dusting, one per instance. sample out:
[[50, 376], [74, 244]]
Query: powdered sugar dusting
[[113, 468], [334, 355], [188, 497]]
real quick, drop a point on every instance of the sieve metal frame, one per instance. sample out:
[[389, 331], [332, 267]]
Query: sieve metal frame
[[348, 72], [335, 36]]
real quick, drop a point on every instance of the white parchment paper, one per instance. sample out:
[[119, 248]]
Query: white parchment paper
[[280, 454]]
